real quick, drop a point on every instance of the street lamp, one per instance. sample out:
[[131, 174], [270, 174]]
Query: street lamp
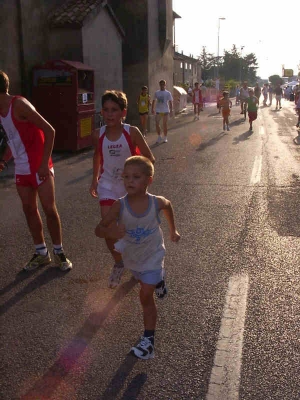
[[241, 60], [220, 18]]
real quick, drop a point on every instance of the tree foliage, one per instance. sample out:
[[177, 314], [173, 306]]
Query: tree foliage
[[232, 66], [274, 79]]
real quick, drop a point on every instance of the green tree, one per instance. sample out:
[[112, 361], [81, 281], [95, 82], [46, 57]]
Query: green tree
[[274, 79], [208, 63]]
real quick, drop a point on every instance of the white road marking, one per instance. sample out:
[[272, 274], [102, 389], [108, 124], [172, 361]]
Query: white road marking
[[225, 376], [261, 130], [256, 171]]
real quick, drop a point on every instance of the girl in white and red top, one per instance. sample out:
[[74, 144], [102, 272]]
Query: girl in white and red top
[[30, 141], [197, 100], [116, 142]]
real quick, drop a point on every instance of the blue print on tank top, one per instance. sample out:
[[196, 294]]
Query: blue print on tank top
[[140, 233]]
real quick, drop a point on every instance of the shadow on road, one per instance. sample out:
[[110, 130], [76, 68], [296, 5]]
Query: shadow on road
[[116, 384], [211, 141], [241, 138], [43, 279], [68, 361]]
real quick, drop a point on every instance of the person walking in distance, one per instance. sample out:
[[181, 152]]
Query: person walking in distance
[[115, 143], [143, 103], [270, 92], [265, 93], [203, 93], [278, 95], [257, 91], [140, 241], [197, 100], [225, 105], [30, 141], [162, 106], [252, 103]]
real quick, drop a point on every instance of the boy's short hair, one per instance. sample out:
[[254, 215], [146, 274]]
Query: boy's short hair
[[162, 82], [143, 162], [225, 92], [4, 82], [117, 97], [144, 88], [196, 83]]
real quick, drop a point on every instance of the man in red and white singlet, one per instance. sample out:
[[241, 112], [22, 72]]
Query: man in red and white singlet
[[30, 141]]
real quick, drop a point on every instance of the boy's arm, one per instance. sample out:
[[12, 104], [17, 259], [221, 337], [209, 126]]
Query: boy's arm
[[24, 110], [166, 206], [139, 141], [96, 167], [107, 227]]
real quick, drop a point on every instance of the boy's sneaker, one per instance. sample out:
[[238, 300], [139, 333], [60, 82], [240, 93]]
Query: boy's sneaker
[[165, 139], [228, 129], [159, 139], [37, 261], [115, 275], [144, 350], [62, 262], [161, 290]]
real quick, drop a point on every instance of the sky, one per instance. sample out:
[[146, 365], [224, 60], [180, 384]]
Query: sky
[[259, 26]]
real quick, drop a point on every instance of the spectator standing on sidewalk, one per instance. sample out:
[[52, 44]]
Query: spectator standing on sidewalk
[[30, 141], [141, 241], [162, 107]]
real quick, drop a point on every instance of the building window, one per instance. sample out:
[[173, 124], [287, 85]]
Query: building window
[[181, 65], [190, 67], [185, 65]]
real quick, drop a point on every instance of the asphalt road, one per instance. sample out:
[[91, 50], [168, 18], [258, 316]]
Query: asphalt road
[[230, 326]]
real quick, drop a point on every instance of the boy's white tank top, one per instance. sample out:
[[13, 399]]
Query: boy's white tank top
[[142, 247], [113, 156]]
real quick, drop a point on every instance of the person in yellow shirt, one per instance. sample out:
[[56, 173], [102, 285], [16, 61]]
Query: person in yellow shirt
[[143, 103]]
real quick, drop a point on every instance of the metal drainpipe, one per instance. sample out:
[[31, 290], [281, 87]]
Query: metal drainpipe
[[24, 86]]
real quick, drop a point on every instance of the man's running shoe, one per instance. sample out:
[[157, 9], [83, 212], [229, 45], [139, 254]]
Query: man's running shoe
[[161, 290], [62, 262], [37, 261], [144, 350], [115, 275], [159, 139]]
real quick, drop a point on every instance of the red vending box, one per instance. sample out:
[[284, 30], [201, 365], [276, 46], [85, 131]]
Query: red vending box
[[63, 92]]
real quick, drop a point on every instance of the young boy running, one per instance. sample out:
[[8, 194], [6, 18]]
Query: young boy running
[[252, 102], [141, 241], [30, 141], [116, 142], [225, 104]]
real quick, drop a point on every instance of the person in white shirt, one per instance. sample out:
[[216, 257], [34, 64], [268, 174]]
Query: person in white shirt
[[162, 106]]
